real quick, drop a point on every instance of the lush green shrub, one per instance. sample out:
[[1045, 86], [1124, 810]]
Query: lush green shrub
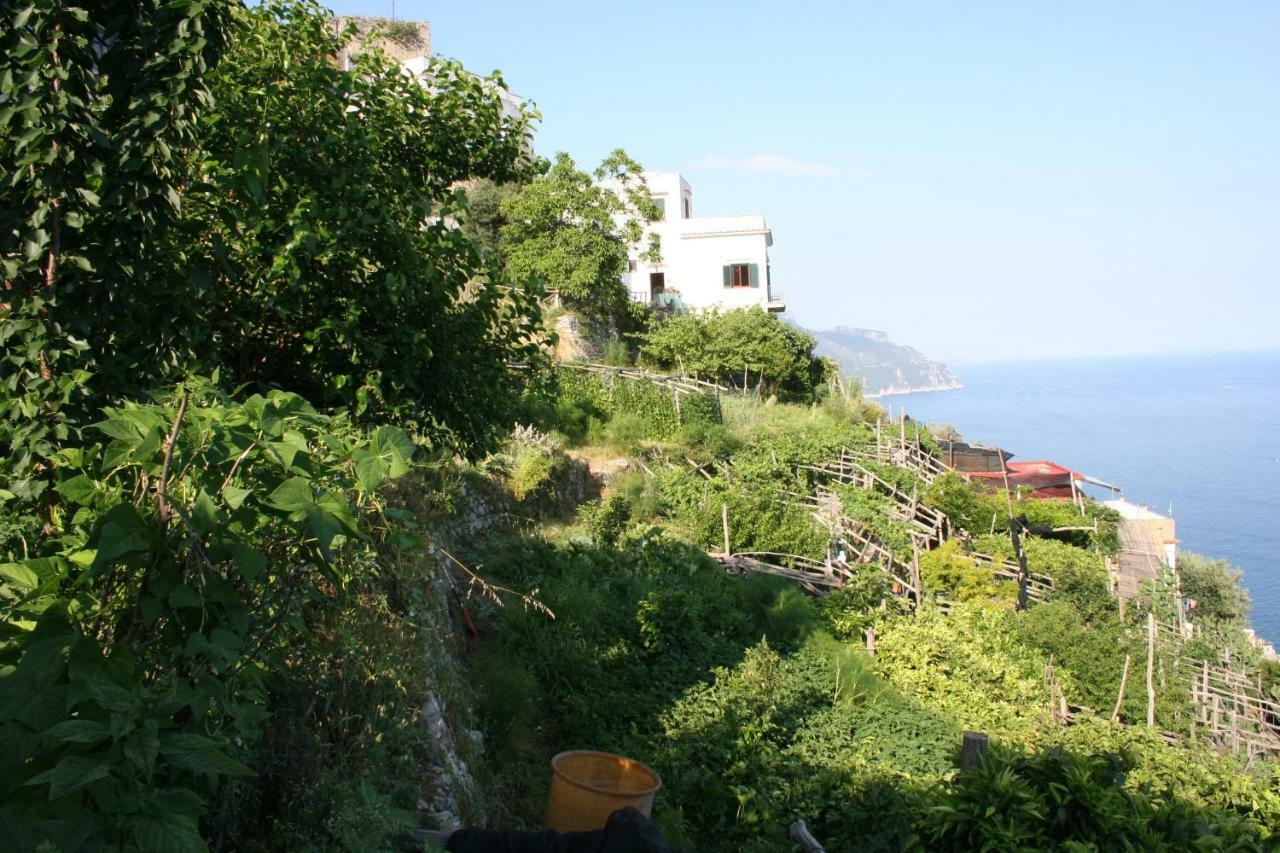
[[735, 345], [617, 353], [1092, 652], [1059, 800], [1079, 576], [848, 611], [1215, 585], [624, 432], [327, 262], [644, 502], [961, 502], [948, 573], [968, 665], [530, 472], [706, 441], [606, 518]]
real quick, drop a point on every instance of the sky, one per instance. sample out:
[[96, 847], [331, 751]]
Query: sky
[[981, 180]]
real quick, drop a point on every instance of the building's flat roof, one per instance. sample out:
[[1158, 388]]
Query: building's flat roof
[[1132, 511]]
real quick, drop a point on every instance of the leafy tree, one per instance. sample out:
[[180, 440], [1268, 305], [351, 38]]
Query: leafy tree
[[280, 220], [1215, 586], [98, 109], [724, 346], [573, 230], [324, 252], [484, 220]]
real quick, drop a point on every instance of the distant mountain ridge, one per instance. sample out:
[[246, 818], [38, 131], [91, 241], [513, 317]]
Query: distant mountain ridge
[[883, 366]]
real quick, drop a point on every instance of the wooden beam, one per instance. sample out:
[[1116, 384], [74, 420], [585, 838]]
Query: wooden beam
[[973, 749]]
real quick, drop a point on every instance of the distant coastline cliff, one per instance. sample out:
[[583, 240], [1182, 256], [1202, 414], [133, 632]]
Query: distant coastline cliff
[[884, 367]]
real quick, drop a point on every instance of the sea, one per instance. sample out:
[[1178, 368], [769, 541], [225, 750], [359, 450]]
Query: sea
[[1198, 435]]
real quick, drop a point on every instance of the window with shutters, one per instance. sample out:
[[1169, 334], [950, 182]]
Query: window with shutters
[[740, 275]]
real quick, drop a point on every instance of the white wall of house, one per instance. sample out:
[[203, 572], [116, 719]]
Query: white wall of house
[[699, 254]]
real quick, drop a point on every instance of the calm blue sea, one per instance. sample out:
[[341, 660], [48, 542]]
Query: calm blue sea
[[1198, 432]]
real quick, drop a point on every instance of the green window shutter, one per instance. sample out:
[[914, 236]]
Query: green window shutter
[[755, 275], [727, 269]]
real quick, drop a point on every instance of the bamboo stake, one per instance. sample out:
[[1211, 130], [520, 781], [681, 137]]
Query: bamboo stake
[[1151, 659], [1124, 681], [724, 519]]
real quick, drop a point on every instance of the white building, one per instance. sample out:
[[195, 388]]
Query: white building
[[707, 261]]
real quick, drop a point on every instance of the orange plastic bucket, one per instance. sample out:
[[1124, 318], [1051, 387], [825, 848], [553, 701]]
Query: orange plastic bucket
[[587, 787]]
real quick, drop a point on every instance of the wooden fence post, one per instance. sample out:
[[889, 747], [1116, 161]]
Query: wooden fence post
[[871, 641], [973, 749], [1151, 659], [1023, 574], [724, 519], [1124, 680]]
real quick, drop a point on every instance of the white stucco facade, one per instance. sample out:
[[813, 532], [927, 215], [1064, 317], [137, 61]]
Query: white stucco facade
[[707, 261]]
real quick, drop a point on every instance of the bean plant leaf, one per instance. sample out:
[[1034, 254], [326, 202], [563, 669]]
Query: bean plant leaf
[[78, 731], [123, 532], [167, 833], [74, 772]]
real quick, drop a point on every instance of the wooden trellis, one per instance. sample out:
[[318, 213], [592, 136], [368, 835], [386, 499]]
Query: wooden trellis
[[928, 526]]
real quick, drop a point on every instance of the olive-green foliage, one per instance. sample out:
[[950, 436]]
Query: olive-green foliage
[[813, 734], [1216, 587], [704, 441], [954, 496], [948, 573], [1194, 773], [719, 346], [606, 519], [873, 510], [847, 612], [758, 519], [643, 499]]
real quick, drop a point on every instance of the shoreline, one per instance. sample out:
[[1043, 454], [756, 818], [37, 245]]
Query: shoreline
[[898, 392]]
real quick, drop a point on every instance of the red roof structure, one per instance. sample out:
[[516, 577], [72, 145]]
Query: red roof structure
[[1045, 479]]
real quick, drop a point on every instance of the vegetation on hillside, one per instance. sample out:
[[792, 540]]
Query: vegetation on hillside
[[261, 358], [759, 705]]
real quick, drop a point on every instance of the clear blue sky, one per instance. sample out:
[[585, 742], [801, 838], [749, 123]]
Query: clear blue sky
[[981, 180]]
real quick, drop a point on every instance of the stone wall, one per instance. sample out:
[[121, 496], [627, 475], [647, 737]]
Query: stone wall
[[401, 40]]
